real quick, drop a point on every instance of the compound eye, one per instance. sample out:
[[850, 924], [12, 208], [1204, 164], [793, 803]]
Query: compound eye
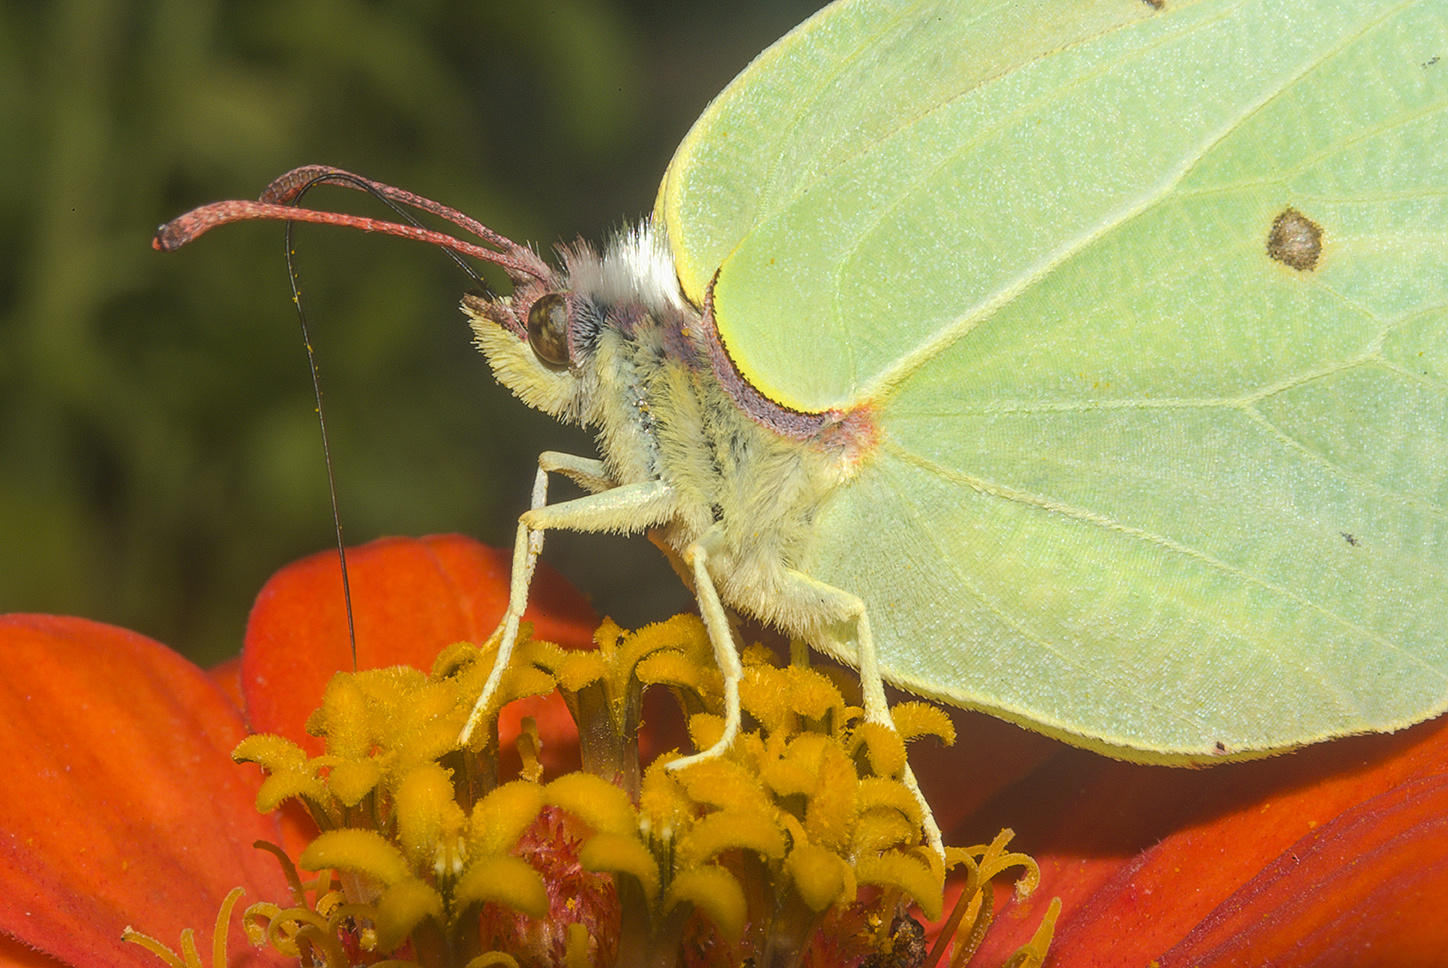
[[548, 328]]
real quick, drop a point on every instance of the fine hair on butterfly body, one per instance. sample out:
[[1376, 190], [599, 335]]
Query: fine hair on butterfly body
[[731, 493], [1080, 361]]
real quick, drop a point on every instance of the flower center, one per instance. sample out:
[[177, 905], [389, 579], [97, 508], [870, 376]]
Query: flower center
[[801, 845]]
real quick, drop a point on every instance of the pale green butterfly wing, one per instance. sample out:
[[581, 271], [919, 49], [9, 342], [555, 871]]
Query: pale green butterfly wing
[[1139, 484]]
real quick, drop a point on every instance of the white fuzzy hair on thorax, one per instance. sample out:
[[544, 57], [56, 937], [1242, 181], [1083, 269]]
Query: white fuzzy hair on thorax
[[637, 266]]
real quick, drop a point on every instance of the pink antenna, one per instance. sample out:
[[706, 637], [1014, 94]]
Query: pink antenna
[[518, 261]]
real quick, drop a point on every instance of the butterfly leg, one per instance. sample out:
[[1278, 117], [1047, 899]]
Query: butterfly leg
[[721, 636], [877, 710], [587, 473], [848, 636], [847, 614], [631, 507]]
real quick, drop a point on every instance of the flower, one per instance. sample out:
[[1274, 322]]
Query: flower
[[1336, 854], [123, 805], [802, 836]]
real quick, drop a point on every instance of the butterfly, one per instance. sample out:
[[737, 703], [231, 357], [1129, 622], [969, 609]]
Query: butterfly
[[1085, 363]]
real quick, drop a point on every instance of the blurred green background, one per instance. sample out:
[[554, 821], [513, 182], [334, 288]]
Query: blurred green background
[[159, 455]]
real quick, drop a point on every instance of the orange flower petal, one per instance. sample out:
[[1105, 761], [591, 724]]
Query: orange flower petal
[[1331, 855], [1368, 887], [13, 954], [122, 804], [410, 597], [227, 675]]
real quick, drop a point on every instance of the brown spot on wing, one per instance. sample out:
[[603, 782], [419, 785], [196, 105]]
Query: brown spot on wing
[[1295, 240]]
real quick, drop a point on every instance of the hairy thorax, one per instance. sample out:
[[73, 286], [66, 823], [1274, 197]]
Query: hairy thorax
[[662, 415], [650, 376]]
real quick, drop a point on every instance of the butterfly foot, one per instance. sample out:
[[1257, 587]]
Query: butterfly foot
[[726, 739], [503, 634], [933, 838], [712, 753]]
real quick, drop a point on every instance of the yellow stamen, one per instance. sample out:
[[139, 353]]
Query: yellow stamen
[[428, 857], [190, 958]]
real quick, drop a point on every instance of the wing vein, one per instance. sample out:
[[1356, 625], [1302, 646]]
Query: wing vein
[[1077, 513], [1161, 190]]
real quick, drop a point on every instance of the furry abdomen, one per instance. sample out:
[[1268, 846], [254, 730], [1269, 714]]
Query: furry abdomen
[[642, 379], [662, 415]]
